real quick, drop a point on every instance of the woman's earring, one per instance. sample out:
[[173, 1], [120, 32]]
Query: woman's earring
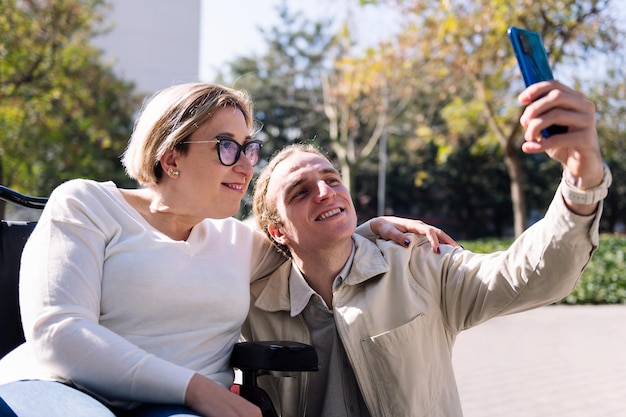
[[173, 172]]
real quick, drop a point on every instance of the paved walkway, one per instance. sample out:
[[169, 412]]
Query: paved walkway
[[553, 361]]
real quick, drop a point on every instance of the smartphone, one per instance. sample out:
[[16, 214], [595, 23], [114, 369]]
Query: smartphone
[[533, 63]]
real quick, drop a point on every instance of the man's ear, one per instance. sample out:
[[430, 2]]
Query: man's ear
[[277, 234]]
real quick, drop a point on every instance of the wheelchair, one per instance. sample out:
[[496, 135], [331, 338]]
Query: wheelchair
[[251, 358]]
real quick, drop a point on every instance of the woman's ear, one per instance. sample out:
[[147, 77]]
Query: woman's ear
[[169, 162], [277, 234]]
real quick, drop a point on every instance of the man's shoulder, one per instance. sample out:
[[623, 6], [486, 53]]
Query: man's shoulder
[[279, 276]]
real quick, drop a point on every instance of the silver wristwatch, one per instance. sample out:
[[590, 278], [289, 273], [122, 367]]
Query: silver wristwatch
[[589, 196]]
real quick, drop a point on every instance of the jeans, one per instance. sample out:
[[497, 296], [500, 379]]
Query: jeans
[[50, 399], [54, 399]]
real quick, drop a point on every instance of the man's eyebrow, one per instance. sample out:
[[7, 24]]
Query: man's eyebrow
[[330, 171], [289, 189], [295, 184]]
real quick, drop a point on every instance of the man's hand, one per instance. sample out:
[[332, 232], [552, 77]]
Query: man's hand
[[578, 150]]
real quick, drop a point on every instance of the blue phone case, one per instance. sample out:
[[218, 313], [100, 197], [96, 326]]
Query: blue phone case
[[533, 63]]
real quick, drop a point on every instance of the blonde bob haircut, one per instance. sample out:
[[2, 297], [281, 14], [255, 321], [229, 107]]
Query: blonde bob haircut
[[263, 205], [169, 118]]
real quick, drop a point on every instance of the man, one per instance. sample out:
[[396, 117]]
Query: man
[[383, 318]]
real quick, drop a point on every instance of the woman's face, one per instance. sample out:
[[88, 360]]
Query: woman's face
[[209, 188]]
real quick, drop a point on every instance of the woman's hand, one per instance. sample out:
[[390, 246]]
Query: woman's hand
[[212, 400], [395, 229]]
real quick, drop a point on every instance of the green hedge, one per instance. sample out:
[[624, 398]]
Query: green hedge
[[604, 279]]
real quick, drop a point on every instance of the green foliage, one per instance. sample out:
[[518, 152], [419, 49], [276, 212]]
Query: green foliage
[[461, 47], [63, 113], [452, 195], [463, 119], [453, 132], [602, 282], [609, 95]]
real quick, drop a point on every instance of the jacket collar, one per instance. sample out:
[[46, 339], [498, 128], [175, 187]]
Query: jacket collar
[[368, 263]]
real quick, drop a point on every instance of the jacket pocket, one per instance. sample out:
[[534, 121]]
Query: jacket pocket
[[409, 366]]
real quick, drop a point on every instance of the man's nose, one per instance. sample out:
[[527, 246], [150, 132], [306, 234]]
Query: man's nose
[[325, 190]]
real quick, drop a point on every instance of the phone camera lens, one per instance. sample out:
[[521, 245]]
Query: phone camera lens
[[525, 44]]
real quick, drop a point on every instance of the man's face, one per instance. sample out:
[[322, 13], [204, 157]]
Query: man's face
[[315, 207]]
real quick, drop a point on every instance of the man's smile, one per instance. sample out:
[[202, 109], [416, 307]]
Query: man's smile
[[328, 214]]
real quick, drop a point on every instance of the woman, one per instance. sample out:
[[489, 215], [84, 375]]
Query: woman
[[136, 297]]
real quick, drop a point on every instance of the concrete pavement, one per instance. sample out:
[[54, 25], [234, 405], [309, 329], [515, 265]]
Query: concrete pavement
[[553, 361]]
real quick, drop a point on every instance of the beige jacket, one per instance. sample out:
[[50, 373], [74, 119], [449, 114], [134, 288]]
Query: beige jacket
[[399, 310]]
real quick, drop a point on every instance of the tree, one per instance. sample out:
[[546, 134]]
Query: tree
[[362, 97], [63, 114], [464, 42], [610, 97], [285, 81]]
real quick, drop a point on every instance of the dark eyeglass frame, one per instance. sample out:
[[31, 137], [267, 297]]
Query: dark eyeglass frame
[[240, 148]]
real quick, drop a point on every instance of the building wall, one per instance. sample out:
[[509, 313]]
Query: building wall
[[154, 43]]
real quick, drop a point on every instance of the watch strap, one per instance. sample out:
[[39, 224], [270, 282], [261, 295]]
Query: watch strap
[[589, 196]]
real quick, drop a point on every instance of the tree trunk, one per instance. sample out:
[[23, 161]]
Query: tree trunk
[[518, 198], [346, 174]]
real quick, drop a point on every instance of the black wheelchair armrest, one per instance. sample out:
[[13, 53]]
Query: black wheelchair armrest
[[274, 356], [23, 200], [252, 357]]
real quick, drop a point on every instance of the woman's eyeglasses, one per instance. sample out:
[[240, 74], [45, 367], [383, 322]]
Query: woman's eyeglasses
[[229, 150]]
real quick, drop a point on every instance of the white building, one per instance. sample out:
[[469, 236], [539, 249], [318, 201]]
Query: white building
[[153, 43]]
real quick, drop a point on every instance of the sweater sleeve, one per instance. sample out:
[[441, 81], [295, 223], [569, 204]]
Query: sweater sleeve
[[60, 297]]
